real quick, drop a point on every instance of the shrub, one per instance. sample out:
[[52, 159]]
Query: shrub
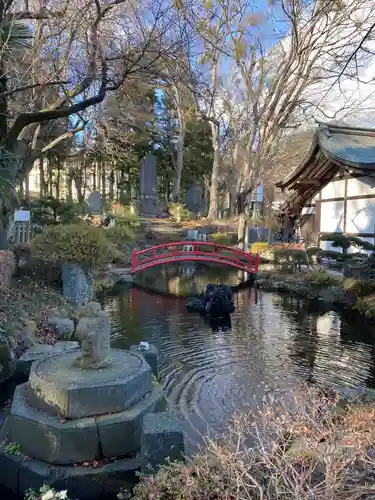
[[259, 247], [8, 265], [360, 288], [221, 238], [53, 211], [129, 220], [81, 243], [120, 234], [46, 493], [366, 306], [290, 258], [322, 277], [179, 212], [306, 445]]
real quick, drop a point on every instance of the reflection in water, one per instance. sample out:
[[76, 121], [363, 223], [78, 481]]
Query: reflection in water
[[210, 371]]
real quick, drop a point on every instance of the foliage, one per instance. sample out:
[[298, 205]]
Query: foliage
[[13, 449], [313, 251], [322, 277], [366, 306], [332, 254], [290, 258], [46, 493], [8, 265], [179, 212], [345, 242], [221, 238], [360, 288], [259, 247], [120, 234], [53, 211], [80, 243], [304, 444]]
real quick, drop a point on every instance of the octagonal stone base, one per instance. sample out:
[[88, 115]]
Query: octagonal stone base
[[59, 388], [19, 473], [56, 441]]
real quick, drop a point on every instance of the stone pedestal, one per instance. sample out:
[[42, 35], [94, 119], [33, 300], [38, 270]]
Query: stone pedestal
[[85, 430], [78, 285], [40, 351]]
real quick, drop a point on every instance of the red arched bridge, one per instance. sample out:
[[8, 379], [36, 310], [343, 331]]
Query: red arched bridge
[[192, 251]]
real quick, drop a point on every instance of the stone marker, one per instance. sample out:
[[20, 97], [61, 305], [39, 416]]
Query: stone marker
[[194, 198], [149, 202], [94, 335], [94, 203]]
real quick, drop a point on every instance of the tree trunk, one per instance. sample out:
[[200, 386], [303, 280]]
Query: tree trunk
[[69, 185], [180, 143], [58, 177], [50, 177], [111, 185], [242, 221], [104, 177], [215, 132], [42, 179]]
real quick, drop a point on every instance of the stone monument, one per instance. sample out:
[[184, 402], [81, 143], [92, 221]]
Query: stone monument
[[194, 198], [94, 205], [149, 201], [78, 423]]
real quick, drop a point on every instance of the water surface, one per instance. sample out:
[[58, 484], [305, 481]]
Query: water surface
[[274, 342]]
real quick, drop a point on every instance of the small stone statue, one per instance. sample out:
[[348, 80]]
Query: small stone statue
[[94, 336]]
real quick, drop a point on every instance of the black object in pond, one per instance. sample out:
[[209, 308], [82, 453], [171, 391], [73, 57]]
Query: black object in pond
[[217, 302]]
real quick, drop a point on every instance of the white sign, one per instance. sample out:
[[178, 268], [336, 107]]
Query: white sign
[[22, 216]]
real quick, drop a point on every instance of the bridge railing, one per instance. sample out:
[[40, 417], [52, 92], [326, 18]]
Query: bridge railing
[[207, 251]]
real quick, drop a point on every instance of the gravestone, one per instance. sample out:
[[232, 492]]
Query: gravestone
[[194, 198], [94, 203], [149, 202]]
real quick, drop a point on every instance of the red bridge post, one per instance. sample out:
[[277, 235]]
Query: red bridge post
[[257, 263], [134, 260]]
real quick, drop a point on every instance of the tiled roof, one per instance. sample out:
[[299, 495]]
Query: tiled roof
[[335, 148], [352, 149]]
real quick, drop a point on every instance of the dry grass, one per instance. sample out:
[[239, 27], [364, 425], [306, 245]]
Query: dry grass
[[303, 446]]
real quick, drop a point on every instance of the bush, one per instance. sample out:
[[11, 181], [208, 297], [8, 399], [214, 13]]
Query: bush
[[179, 212], [81, 243], [366, 306], [360, 288], [322, 277], [290, 258], [259, 247], [128, 220], [53, 211], [46, 493], [305, 445], [221, 238], [119, 234]]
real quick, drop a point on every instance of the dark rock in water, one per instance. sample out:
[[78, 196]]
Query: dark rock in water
[[217, 301]]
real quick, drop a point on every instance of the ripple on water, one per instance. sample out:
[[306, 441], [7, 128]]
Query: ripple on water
[[273, 344]]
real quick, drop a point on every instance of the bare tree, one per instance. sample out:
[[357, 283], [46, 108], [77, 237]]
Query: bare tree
[[91, 48], [274, 87]]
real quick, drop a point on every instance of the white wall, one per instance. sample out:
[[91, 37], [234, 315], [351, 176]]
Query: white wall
[[334, 189], [360, 213], [332, 217], [361, 187]]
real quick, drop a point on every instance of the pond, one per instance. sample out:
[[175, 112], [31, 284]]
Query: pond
[[209, 372]]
